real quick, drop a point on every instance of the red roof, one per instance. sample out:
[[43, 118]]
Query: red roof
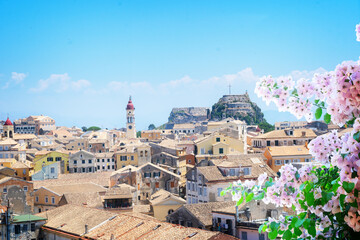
[[130, 105], [8, 122]]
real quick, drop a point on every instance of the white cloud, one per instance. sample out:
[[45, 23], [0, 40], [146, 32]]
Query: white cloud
[[80, 84], [16, 78], [60, 83], [296, 74]]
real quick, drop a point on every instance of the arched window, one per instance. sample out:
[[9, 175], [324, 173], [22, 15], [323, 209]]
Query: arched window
[[170, 211]]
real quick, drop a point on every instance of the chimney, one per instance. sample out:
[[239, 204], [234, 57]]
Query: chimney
[[86, 229]]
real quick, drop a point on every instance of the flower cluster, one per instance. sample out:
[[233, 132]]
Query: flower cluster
[[327, 198], [338, 91]]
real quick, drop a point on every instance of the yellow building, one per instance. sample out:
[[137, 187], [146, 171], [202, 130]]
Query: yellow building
[[7, 162], [164, 203], [125, 157], [45, 158], [151, 135], [218, 144], [46, 199], [279, 156], [23, 170]]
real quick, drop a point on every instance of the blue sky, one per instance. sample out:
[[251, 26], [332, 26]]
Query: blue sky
[[78, 61]]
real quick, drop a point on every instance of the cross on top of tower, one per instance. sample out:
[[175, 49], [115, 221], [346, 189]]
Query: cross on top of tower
[[229, 89]]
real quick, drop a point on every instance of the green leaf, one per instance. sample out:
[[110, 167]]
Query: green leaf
[[287, 235], [312, 230], [293, 221], [357, 136], [310, 198], [273, 234], [274, 225], [306, 223], [318, 113], [342, 202], [327, 118], [259, 196], [240, 201], [249, 197], [317, 101], [294, 92], [348, 186], [326, 197], [302, 215], [223, 192], [297, 175], [262, 228], [299, 222], [351, 122], [297, 231]]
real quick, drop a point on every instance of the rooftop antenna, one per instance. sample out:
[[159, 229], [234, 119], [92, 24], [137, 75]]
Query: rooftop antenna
[[229, 89]]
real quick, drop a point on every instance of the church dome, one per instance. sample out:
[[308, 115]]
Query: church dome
[[130, 105], [8, 122]]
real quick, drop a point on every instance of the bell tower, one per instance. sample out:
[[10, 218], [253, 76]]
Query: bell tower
[[8, 129], [130, 120]]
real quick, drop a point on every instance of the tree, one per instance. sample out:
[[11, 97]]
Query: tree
[[151, 127], [138, 134], [326, 199], [93, 128], [84, 129]]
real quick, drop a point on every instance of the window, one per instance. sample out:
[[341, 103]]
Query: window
[[90, 169], [278, 162], [98, 167], [261, 236], [108, 160], [24, 227], [296, 160], [108, 166], [217, 139], [200, 191], [75, 162], [247, 171], [221, 150], [103, 160], [52, 200], [112, 167], [52, 170], [4, 190], [232, 172], [132, 158], [268, 143], [50, 159], [90, 161], [103, 167], [25, 188], [276, 142], [202, 151], [46, 199], [17, 229], [83, 161], [83, 169], [219, 190], [244, 236], [193, 186], [163, 161], [287, 161], [36, 198], [112, 160], [188, 186], [147, 175], [75, 170], [58, 159], [307, 160], [33, 227], [205, 192]]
